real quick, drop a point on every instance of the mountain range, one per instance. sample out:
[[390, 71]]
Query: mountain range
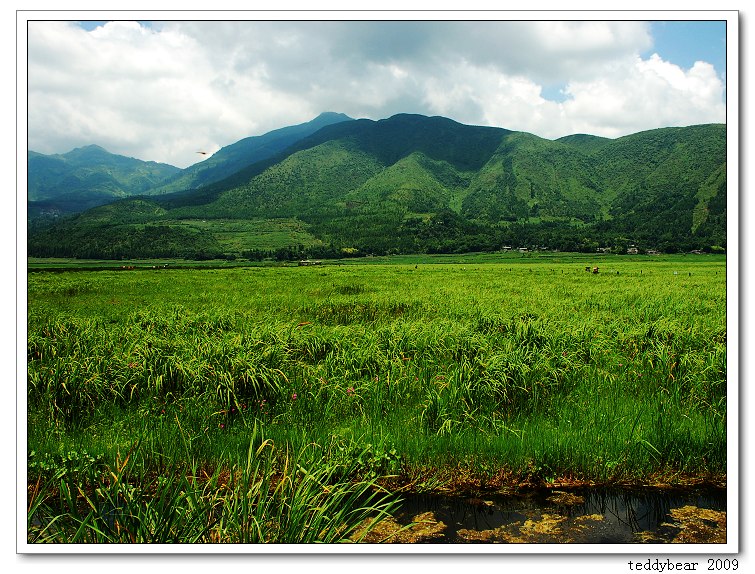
[[408, 183], [86, 177]]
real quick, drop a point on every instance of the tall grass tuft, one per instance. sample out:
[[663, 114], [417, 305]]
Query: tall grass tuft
[[273, 497]]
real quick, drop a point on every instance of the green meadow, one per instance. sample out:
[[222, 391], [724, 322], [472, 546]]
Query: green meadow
[[288, 404]]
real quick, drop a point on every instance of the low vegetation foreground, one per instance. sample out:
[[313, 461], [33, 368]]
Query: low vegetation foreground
[[295, 404]]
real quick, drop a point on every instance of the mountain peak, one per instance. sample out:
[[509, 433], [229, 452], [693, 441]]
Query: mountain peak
[[333, 115], [91, 148], [90, 152], [327, 118]]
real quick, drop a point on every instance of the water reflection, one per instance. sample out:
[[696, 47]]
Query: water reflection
[[615, 516]]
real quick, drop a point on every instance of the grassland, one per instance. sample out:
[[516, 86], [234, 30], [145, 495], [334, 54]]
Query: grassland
[[236, 235], [187, 396]]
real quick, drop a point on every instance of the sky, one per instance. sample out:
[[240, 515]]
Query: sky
[[163, 91]]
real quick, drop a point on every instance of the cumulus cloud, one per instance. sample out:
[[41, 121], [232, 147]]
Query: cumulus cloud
[[645, 95], [165, 90]]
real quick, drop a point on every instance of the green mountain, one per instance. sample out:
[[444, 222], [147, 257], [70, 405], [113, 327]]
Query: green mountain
[[428, 184], [86, 177], [668, 183], [584, 142], [90, 176], [530, 177], [233, 158]]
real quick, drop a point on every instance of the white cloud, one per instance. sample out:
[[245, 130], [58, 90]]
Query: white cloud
[[155, 95], [164, 91], [644, 95]]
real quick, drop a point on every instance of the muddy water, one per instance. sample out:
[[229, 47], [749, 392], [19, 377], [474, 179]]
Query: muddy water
[[588, 516]]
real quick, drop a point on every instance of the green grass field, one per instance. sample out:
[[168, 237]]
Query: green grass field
[[236, 236], [439, 373]]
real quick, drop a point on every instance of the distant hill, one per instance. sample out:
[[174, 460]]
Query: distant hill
[[328, 169], [413, 183], [86, 177], [233, 158], [670, 183], [585, 142]]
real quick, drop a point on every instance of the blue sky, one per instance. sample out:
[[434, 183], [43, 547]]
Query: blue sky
[[679, 42], [684, 42], [161, 90]]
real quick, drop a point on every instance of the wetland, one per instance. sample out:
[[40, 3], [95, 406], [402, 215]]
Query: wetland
[[510, 399]]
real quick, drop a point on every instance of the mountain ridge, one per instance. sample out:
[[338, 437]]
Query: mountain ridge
[[413, 183], [64, 184], [247, 151], [87, 176]]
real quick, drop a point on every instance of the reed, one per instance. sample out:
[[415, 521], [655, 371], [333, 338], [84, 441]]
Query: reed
[[532, 370], [274, 496]]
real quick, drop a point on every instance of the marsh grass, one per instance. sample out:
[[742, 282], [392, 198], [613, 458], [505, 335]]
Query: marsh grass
[[274, 495], [537, 371]]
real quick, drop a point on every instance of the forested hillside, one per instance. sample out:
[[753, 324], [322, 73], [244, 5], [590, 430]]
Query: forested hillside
[[413, 184], [86, 177], [235, 157]]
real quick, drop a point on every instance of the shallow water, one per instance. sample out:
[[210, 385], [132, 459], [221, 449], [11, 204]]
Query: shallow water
[[587, 516]]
